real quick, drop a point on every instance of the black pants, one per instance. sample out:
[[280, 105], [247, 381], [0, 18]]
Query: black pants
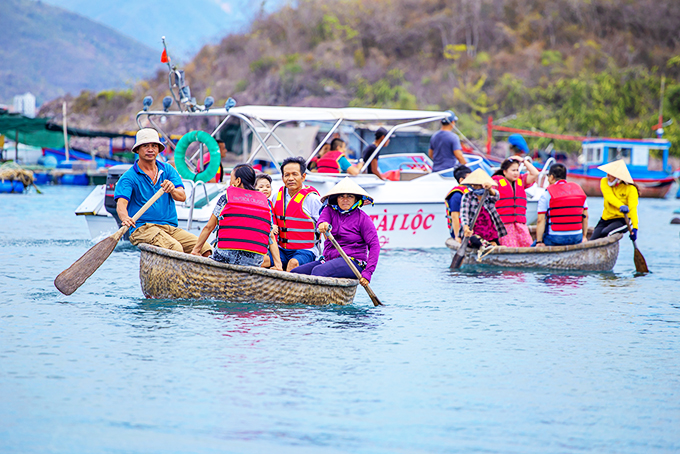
[[606, 228]]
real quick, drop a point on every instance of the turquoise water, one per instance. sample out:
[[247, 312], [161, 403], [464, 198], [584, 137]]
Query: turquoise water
[[481, 361]]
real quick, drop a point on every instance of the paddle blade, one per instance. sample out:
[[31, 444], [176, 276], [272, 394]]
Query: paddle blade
[[640, 262], [74, 276], [373, 296], [457, 261]]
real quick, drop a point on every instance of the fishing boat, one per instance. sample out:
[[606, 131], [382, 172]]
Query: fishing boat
[[167, 274], [636, 153], [597, 255]]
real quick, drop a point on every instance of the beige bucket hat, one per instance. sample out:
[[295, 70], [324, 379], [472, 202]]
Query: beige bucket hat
[[618, 169], [347, 186], [147, 135], [479, 177]]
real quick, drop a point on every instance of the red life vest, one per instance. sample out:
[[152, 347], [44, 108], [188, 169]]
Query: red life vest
[[565, 210], [245, 222], [329, 163], [512, 200], [296, 229], [460, 189]]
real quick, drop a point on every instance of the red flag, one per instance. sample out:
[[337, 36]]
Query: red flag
[[164, 57]]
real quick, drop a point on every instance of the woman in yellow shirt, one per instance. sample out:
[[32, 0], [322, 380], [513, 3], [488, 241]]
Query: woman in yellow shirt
[[620, 197]]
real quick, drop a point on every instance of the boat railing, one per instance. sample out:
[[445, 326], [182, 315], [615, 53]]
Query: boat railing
[[542, 180], [194, 185]]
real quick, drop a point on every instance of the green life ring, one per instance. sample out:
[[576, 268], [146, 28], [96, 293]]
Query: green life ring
[[180, 153]]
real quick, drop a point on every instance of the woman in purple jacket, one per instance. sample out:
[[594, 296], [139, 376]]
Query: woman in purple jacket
[[353, 230]]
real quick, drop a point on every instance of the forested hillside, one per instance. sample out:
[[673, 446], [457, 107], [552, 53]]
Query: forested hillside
[[562, 66], [49, 52]]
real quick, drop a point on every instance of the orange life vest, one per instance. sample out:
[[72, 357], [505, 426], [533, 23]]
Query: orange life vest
[[565, 210], [296, 229], [245, 222], [329, 163], [512, 200], [460, 189]]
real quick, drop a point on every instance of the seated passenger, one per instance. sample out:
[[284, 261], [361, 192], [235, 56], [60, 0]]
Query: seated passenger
[[263, 184], [243, 220], [335, 160], [512, 201], [488, 228], [453, 199], [620, 196], [563, 207], [353, 230], [313, 165], [296, 212], [368, 151]]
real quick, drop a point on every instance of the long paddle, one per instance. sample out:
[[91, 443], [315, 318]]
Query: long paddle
[[460, 253], [638, 258], [74, 276], [373, 296]]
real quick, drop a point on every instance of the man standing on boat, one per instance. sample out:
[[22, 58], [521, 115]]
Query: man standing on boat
[[296, 212], [158, 226], [563, 207], [368, 151], [445, 150]]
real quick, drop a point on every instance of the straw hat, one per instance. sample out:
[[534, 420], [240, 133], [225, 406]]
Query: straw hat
[[147, 135], [618, 169], [479, 177], [347, 186]]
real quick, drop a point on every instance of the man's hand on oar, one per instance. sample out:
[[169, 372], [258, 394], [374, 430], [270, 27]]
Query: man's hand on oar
[[74, 276]]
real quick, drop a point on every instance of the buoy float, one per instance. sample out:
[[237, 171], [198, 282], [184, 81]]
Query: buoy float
[[180, 154]]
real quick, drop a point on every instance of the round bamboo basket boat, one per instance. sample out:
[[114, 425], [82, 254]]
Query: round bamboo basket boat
[[598, 255], [166, 274]]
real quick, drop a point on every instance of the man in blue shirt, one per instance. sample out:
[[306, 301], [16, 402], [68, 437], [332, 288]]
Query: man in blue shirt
[[445, 150], [158, 225]]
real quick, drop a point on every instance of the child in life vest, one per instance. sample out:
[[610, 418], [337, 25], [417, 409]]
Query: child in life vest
[[488, 228], [263, 184]]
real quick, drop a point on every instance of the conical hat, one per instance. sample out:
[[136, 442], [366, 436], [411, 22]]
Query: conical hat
[[618, 169], [479, 177], [347, 186]]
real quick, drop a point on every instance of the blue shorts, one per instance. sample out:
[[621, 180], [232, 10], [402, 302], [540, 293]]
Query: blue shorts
[[561, 240], [301, 255]]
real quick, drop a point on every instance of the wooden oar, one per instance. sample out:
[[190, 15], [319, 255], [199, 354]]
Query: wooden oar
[[460, 253], [638, 258], [74, 276], [373, 296]]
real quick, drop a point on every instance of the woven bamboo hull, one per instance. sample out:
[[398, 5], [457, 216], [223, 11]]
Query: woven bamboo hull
[[598, 255], [166, 274]]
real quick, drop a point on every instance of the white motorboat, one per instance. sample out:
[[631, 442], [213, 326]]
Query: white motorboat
[[408, 213]]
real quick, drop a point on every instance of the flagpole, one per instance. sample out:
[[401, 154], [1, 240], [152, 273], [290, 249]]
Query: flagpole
[[63, 111]]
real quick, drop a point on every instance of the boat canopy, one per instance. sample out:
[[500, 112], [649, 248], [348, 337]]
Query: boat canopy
[[635, 152]]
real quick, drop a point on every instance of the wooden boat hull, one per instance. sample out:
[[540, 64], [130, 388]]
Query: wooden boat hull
[[653, 189], [598, 255], [166, 274]]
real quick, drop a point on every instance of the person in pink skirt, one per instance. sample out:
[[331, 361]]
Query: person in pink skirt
[[512, 200]]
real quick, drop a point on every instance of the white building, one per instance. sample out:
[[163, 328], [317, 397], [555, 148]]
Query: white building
[[25, 105]]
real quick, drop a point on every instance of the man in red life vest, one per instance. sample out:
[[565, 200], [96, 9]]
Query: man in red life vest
[[335, 160], [296, 212], [564, 209], [452, 201]]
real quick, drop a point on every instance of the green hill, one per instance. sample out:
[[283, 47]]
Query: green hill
[[50, 52], [561, 66]]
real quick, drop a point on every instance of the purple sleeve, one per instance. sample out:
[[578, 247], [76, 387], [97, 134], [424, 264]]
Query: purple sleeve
[[371, 237], [325, 216]]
